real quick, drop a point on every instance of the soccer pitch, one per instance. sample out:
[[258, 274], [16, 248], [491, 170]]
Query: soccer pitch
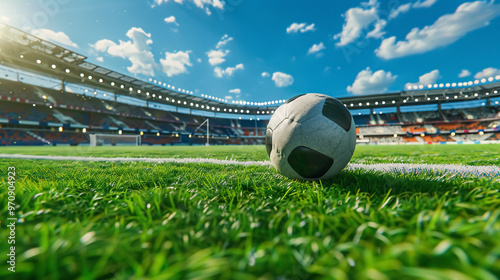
[[149, 220]]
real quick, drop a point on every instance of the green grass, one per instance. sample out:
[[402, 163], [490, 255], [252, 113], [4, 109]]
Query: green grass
[[88, 220], [449, 154]]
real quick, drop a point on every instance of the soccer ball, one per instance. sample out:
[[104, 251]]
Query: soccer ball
[[311, 137]]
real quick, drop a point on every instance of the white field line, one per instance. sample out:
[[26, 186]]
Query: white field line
[[395, 168]]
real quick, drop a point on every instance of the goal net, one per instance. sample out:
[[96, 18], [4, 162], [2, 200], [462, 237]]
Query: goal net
[[114, 139]]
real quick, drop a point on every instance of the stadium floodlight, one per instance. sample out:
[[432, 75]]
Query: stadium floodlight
[[101, 80], [393, 102], [90, 77], [38, 61], [441, 85], [497, 77], [54, 66], [404, 101], [120, 132], [455, 97], [469, 83], [113, 84], [416, 99], [475, 94], [84, 130], [476, 82], [21, 56], [490, 79], [82, 75], [460, 84], [61, 129], [352, 105], [154, 95], [158, 134], [68, 71], [454, 84], [437, 98], [483, 80]]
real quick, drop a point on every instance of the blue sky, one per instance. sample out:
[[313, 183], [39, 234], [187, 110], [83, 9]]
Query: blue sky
[[256, 50]]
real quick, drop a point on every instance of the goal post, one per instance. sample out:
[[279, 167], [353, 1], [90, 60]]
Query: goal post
[[114, 139]]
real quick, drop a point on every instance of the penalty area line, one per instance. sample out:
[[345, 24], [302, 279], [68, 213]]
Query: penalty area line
[[394, 168]]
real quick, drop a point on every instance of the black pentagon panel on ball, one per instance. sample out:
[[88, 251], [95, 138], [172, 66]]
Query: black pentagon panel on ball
[[293, 98], [337, 113], [269, 141], [309, 163]]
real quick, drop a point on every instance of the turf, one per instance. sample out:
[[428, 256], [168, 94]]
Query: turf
[[438, 154], [98, 220]]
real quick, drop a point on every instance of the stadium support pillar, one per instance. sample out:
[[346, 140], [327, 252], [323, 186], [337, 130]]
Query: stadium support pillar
[[371, 111], [114, 97], [147, 103], [439, 107], [63, 86], [398, 109], [488, 102]]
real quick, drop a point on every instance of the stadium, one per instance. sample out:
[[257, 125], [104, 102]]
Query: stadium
[[111, 175], [34, 114]]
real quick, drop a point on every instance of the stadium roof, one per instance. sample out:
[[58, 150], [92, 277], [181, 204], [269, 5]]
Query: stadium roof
[[24, 51]]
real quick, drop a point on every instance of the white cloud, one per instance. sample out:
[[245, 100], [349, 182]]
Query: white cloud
[[486, 73], [216, 57], [446, 30], [428, 78], [199, 60], [282, 79], [159, 2], [464, 73], [265, 75], [424, 3], [228, 97], [300, 27], [316, 48], [137, 50], [229, 71], [223, 41], [378, 31], [369, 82], [100, 59], [4, 18], [356, 21], [171, 19], [58, 37], [202, 4], [235, 91], [175, 63], [399, 10]]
